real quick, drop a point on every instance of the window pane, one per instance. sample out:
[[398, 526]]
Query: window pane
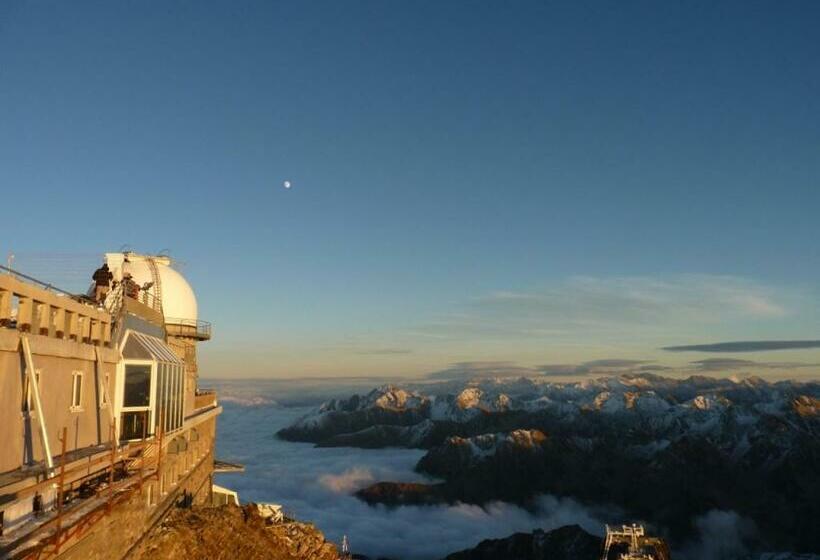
[[137, 385], [77, 390], [133, 424]]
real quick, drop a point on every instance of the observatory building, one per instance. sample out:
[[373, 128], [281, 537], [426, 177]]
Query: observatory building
[[102, 424]]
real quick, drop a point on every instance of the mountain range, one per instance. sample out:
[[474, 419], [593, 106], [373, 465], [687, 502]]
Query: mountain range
[[659, 449]]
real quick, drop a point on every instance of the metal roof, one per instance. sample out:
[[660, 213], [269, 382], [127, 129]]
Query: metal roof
[[142, 346]]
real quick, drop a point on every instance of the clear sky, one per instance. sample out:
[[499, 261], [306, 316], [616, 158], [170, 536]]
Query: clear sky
[[533, 182]]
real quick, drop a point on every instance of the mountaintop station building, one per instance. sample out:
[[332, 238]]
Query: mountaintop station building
[[102, 426]]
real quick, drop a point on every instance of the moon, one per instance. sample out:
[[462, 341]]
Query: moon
[[286, 184]]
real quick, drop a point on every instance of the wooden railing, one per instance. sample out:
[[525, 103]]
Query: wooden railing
[[40, 311]]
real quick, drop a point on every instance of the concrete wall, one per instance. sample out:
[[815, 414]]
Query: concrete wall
[[56, 360]]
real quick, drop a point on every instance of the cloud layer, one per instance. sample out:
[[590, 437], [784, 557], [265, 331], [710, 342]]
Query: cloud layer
[[746, 346], [314, 484], [468, 370]]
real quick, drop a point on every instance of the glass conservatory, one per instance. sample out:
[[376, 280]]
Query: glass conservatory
[[153, 387]]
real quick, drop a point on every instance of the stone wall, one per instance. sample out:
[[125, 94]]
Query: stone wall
[[119, 531]]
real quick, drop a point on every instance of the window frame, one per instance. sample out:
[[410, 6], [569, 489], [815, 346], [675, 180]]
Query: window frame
[[76, 391], [120, 393]]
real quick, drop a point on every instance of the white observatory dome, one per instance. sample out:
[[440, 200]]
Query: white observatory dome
[[177, 297]]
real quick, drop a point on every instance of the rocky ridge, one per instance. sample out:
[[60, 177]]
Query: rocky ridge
[[230, 532]]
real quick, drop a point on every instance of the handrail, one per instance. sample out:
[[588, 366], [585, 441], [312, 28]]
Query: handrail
[[40, 283], [30, 308], [202, 328]]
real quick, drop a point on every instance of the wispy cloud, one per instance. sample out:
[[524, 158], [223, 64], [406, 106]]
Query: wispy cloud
[[384, 351], [746, 346], [724, 364], [585, 307], [487, 369], [718, 364], [594, 367], [467, 370]]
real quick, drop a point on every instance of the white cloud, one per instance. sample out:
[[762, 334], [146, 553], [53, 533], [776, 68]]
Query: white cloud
[[722, 535], [314, 484], [349, 481]]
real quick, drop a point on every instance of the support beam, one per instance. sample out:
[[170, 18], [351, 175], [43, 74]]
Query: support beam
[[35, 390]]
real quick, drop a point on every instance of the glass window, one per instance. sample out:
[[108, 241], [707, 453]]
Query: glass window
[[104, 391], [137, 385], [133, 425], [76, 390]]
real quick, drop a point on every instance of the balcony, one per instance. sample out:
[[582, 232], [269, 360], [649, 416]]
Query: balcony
[[188, 328]]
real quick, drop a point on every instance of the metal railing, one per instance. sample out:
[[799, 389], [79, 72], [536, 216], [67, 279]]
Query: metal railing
[[44, 285], [188, 327], [35, 307]]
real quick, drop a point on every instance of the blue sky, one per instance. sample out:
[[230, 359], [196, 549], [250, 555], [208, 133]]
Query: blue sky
[[535, 182]]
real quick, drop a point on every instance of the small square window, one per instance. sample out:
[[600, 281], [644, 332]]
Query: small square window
[[77, 391]]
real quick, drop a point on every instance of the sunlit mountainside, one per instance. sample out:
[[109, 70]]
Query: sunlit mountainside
[[672, 452]]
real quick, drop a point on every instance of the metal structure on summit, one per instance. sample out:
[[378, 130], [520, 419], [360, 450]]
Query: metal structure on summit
[[638, 546], [345, 553]]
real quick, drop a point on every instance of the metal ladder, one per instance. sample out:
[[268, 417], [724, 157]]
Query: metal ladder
[[157, 303]]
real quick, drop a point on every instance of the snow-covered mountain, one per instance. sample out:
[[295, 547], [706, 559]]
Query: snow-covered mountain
[[643, 408], [664, 450]]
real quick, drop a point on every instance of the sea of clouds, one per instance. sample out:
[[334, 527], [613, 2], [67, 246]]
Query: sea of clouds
[[315, 484]]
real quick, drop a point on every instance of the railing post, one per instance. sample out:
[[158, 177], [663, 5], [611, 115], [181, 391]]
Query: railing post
[[142, 459], [60, 323], [159, 448], [25, 310], [111, 471], [96, 333], [60, 493], [85, 328], [43, 319], [5, 307], [72, 325], [106, 334]]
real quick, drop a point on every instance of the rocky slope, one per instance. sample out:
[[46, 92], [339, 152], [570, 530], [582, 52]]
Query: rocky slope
[[666, 450], [229, 532], [566, 543]]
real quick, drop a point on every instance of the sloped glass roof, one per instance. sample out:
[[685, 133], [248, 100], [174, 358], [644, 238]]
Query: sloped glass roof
[[140, 346]]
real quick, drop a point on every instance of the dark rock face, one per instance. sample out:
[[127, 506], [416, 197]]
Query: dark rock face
[[566, 543], [402, 494]]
